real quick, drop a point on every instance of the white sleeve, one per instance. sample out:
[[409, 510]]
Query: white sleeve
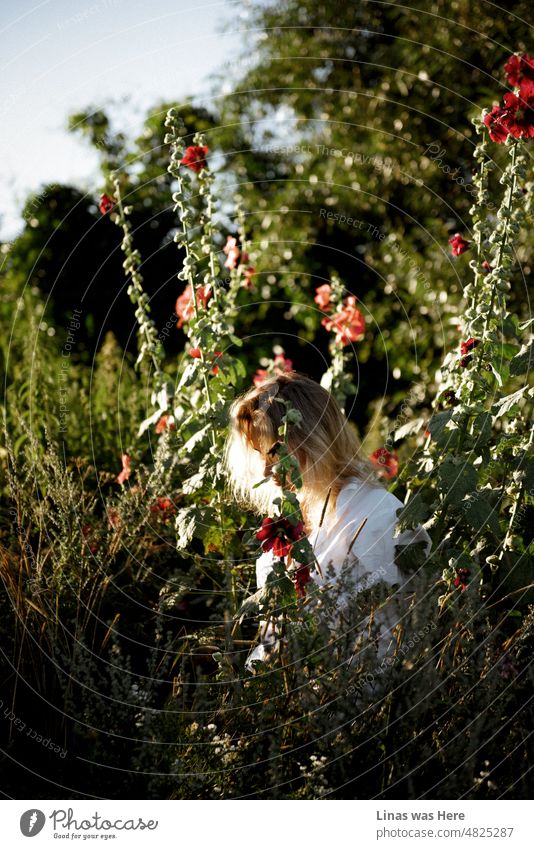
[[375, 544], [268, 631]]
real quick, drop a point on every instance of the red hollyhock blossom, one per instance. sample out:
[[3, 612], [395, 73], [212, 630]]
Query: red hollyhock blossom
[[449, 397], [279, 535], [281, 364], [462, 577], [385, 462], [232, 252], [348, 323], [185, 308], [458, 244], [515, 118], [322, 296], [519, 118], [164, 424], [164, 508], [248, 273], [197, 355], [126, 470], [519, 68], [465, 348], [302, 577], [216, 356], [468, 345], [195, 157], [106, 204]]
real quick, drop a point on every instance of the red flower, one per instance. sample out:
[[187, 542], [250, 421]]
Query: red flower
[[515, 118], [164, 508], [281, 364], [106, 204], [216, 356], [385, 462], [126, 470], [248, 273], [519, 68], [163, 424], [458, 244], [486, 266], [185, 308], [279, 535], [450, 398], [322, 296], [495, 122], [232, 252], [519, 118], [195, 157], [348, 323], [197, 355], [302, 577], [468, 345], [462, 577]]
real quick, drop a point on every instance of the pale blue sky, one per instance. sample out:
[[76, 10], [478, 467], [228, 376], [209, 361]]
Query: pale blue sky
[[59, 56]]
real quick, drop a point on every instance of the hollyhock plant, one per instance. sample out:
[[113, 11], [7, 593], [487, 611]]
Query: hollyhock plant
[[385, 462], [195, 157], [126, 470], [279, 535], [458, 244], [348, 323], [106, 204], [323, 296]]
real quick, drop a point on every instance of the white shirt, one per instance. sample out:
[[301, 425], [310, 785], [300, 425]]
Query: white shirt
[[372, 556]]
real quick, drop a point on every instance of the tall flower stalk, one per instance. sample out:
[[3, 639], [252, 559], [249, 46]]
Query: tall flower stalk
[[474, 475]]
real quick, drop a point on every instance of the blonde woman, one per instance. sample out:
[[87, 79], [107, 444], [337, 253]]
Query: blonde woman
[[358, 525]]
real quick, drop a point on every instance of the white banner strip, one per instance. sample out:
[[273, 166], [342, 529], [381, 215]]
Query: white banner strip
[[230, 824]]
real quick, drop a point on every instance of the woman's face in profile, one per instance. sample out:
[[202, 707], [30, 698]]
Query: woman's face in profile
[[269, 455]]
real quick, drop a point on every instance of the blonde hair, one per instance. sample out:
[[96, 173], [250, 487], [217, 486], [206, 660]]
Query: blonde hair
[[325, 440]]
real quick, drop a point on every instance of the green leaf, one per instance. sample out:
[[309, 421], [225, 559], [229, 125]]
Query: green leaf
[[456, 478], [504, 405], [438, 424], [521, 362], [410, 558], [195, 439], [188, 375], [482, 430], [412, 514], [408, 428], [185, 525], [479, 513]]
